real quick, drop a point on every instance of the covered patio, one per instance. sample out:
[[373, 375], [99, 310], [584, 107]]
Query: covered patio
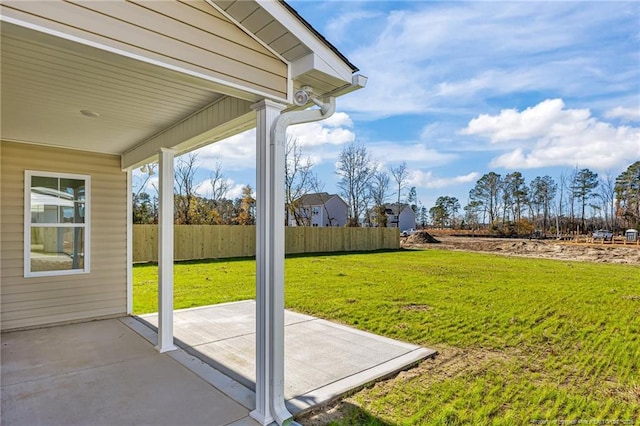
[[107, 372], [90, 92]]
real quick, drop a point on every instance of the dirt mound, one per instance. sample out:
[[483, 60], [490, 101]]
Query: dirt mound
[[548, 249], [421, 237]]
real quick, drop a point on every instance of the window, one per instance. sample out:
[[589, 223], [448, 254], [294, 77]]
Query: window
[[56, 223], [316, 211]]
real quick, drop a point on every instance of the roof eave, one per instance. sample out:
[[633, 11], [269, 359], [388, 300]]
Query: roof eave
[[327, 43]]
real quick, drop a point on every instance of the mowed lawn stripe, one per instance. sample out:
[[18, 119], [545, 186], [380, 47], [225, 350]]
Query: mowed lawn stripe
[[521, 339]]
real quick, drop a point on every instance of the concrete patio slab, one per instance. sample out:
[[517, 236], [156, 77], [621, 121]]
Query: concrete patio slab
[[108, 372], [323, 360], [103, 373]]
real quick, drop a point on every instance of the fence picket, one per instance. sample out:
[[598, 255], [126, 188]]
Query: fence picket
[[223, 241]]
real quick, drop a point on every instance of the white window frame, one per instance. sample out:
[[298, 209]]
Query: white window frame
[[28, 174]]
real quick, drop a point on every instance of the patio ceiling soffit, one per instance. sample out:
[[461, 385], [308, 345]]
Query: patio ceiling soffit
[[221, 119]]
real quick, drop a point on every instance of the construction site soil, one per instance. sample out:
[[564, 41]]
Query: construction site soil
[[547, 249]]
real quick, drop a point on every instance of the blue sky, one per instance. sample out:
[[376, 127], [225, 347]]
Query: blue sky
[[458, 89]]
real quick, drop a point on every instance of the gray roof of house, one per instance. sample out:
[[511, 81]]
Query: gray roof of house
[[316, 199], [395, 207]]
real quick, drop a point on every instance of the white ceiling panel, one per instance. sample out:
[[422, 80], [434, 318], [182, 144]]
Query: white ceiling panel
[[47, 81]]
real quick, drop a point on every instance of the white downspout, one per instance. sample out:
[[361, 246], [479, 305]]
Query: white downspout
[[278, 137]]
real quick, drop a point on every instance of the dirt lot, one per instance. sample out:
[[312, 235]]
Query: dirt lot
[[548, 249]]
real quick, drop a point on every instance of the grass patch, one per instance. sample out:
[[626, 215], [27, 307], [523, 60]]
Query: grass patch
[[520, 339]]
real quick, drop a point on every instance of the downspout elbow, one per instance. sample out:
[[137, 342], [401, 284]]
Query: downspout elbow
[[290, 118]]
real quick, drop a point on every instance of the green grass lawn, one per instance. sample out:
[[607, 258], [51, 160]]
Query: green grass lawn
[[522, 341]]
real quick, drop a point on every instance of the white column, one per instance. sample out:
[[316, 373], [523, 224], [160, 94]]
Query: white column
[[165, 251], [129, 244], [269, 266]]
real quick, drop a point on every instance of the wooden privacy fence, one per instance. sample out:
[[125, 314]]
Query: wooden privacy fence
[[222, 241]]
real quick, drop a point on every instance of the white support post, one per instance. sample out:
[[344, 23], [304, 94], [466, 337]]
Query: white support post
[[129, 244], [165, 251], [269, 267]]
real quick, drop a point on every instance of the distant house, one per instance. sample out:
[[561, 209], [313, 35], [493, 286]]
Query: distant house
[[400, 216], [319, 209]]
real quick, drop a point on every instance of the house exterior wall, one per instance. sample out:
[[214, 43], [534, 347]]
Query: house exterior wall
[[332, 213], [191, 35], [407, 219], [34, 301], [336, 211], [318, 215]]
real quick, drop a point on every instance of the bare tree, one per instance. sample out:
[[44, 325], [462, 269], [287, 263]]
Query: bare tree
[[379, 194], [356, 170], [219, 183], [400, 176], [607, 195], [144, 205], [185, 173], [561, 207], [299, 180], [220, 213], [571, 198]]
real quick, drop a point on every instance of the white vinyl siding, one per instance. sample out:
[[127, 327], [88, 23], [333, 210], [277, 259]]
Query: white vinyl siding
[[43, 300]]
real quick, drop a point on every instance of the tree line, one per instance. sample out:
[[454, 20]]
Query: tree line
[[577, 202], [363, 185], [190, 208]]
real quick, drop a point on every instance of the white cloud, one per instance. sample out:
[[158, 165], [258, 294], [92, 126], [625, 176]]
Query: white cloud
[[235, 191], [548, 117], [428, 180], [235, 153], [627, 114], [203, 189], [452, 55], [335, 130], [548, 134]]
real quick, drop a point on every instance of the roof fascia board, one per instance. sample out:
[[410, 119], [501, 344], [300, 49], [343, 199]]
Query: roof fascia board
[[213, 83], [338, 67], [314, 61]]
